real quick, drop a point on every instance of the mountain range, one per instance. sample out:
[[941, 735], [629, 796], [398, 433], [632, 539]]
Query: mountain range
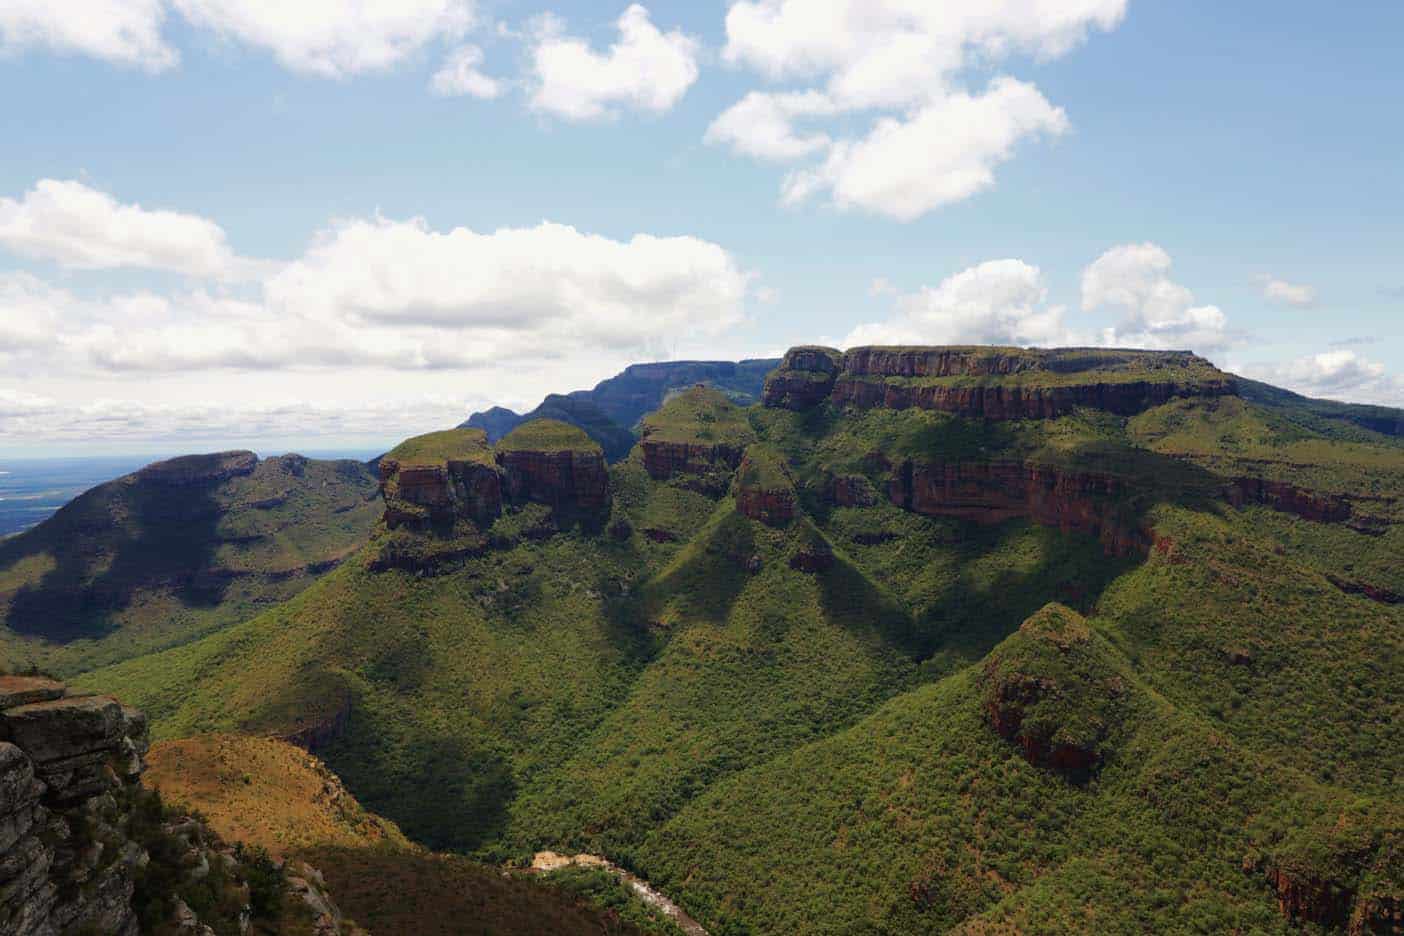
[[894, 640]]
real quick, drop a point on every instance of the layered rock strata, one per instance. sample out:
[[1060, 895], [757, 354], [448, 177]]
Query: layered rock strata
[[63, 761], [78, 831], [993, 492], [569, 479], [988, 383]]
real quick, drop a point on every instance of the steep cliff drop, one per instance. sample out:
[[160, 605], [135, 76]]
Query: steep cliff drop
[[991, 383], [85, 848]]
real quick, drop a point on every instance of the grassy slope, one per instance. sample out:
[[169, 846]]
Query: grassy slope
[[547, 435], [699, 416], [438, 448], [921, 818], [264, 792], [131, 567], [753, 741]]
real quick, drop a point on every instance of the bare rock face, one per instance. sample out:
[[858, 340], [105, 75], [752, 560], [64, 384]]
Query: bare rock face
[[199, 469], [1279, 495], [664, 460], [997, 383], [764, 488], [804, 378], [419, 495], [993, 492], [71, 843], [63, 762], [567, 480]]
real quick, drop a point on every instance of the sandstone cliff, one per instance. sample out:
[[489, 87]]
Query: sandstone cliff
[[85, 848], [992, 492], [991, 383]]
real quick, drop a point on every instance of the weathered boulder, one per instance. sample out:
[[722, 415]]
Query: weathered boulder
[[804, 378]]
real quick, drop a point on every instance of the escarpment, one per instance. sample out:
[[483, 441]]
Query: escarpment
[[86, 848], [993, 492], [699, 437], [991, 383], [556, 464]]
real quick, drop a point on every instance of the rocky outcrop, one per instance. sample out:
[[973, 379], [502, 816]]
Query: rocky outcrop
[[1279, 495], [1011, 402], [1005, 712], [664, 460], [850, 491], [64, 864], [993, 492], [84, 848], [199, 469], [764, 488], [567, 480], [804, 378], [1052, 691], [1306, 899], [416, 495], [991, 383]]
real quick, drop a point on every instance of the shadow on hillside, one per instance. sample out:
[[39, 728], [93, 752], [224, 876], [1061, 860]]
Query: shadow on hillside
[[108, 546]]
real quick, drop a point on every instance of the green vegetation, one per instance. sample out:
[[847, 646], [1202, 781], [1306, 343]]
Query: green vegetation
[[699, 416], [872, 719], [439, 448], [136, 565], [548, 435], [764, 468]]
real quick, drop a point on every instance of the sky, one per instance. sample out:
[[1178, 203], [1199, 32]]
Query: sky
[[324, 224]]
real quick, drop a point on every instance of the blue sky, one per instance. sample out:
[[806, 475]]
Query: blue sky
[[223, 225]]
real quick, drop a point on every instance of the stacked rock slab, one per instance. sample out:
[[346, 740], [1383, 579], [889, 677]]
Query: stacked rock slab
[[549, 462], [991, 383], [62, 759]]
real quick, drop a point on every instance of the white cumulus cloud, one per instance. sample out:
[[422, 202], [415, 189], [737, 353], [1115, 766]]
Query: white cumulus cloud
[[904, 63], [995, 302], [645, 70], [82, 228], [462, 74], [1299, 295], [943, 153], [125, 32], [333, 38], [1157, 311], [1337, 375]]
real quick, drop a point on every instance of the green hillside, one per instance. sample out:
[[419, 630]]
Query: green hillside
[[175, 551], [1086, 673]]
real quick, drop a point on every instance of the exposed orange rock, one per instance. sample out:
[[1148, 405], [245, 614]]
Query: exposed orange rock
[[563, 480], [663, 460], [993, 492]]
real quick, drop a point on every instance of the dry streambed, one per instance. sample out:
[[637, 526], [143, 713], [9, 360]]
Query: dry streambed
[[547, 861]]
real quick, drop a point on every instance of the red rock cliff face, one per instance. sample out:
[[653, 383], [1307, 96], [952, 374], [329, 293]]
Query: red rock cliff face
[[804, 378], [1013, 402], [992, 492], [1279, 495], [458, 489], [932, 362], [663, 460], [868, 378], [568, 480]]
